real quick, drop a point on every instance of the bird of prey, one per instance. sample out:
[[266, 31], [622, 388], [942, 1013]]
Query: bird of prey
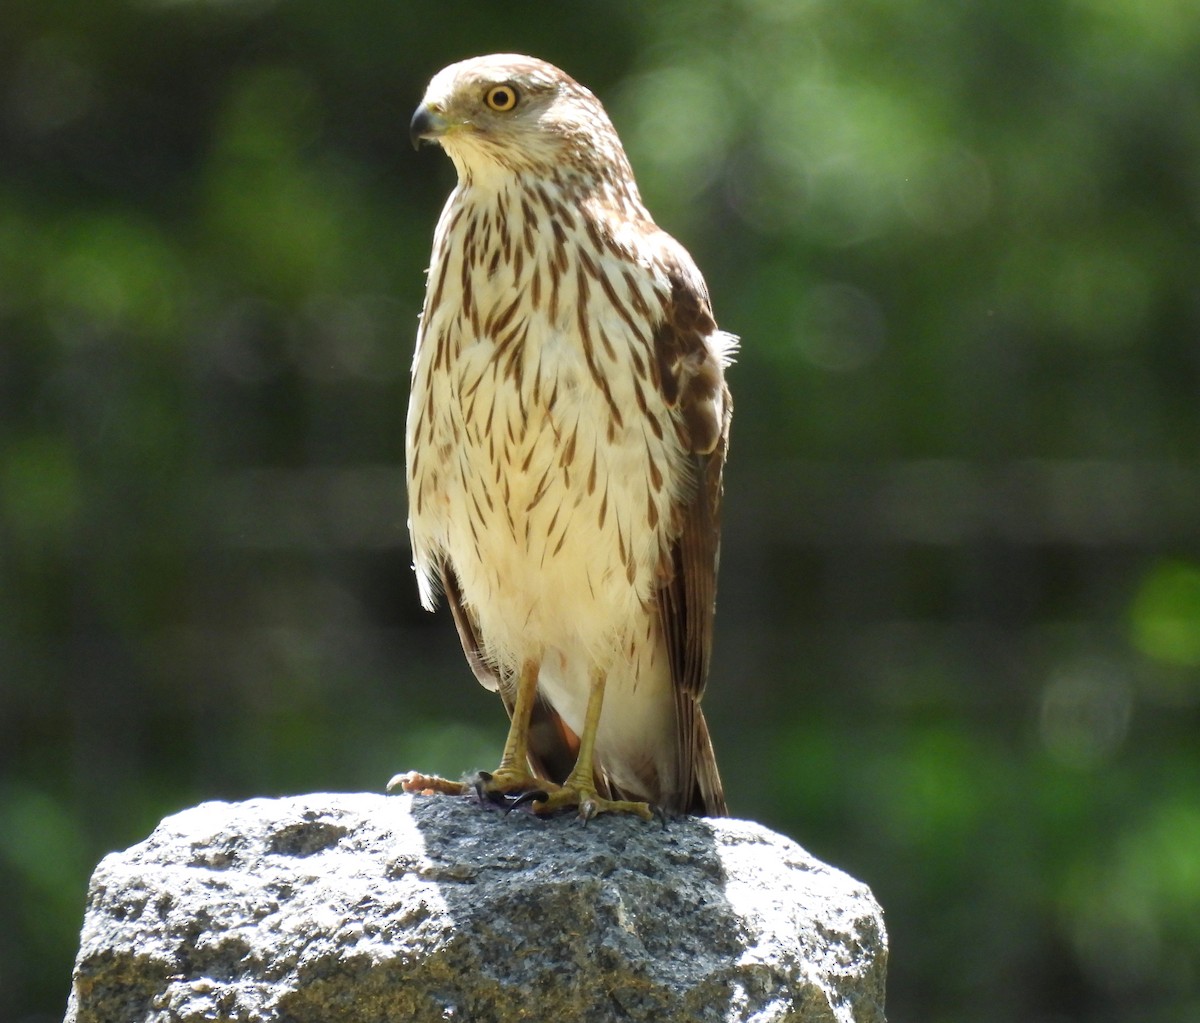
[[566, 437]]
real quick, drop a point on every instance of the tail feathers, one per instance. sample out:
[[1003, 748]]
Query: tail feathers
[[699, 789], [708, 795]]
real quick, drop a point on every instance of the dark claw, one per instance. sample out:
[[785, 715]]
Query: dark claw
[[525, 798], [506, 801]]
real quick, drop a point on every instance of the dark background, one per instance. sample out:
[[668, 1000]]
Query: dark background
[[958, 648]]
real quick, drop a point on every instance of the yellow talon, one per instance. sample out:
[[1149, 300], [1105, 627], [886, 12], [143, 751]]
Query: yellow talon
[[589, 802]]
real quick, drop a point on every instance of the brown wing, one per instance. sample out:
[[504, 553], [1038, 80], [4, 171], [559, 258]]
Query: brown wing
[[692, 378], [552, 745]]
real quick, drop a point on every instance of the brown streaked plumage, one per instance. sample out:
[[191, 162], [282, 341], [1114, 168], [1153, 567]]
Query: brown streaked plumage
[[566, 438]]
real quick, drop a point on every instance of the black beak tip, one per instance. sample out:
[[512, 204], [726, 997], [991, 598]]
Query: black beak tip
[[421, 126]]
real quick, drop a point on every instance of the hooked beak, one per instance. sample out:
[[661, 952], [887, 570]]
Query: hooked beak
[[428, 125]]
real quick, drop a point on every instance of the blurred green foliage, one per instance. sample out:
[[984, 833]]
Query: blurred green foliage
[[959, 631]]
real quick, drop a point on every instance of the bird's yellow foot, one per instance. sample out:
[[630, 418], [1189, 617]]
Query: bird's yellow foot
[[589, 802]]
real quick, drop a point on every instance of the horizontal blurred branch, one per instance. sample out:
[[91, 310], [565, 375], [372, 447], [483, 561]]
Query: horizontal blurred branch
[[1083, 502]]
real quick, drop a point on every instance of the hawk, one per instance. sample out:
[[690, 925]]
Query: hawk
[[566, 436]]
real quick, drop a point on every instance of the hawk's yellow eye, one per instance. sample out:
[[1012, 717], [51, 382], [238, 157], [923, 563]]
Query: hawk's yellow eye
[[501, 97]]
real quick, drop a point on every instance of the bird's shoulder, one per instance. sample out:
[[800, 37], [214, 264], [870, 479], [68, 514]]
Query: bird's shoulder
[[690, 350]]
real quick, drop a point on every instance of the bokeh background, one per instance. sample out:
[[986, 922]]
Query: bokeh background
[[958, 648]]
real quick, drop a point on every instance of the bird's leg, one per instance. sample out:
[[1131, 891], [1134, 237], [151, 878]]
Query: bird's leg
[[513, 774], [579, 790], [512, 777]]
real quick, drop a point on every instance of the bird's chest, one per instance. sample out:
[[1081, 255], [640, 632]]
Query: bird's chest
[[542, 469], [537, 464]]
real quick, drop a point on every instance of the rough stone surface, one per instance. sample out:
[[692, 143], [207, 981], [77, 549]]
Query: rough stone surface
[[348, 908]]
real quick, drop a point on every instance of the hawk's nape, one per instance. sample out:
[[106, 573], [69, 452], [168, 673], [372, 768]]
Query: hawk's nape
[[566, 439]]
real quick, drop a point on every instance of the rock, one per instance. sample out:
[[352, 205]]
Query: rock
[[347, 908]]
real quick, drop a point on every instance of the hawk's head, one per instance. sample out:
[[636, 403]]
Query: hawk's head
[[511, 112]]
